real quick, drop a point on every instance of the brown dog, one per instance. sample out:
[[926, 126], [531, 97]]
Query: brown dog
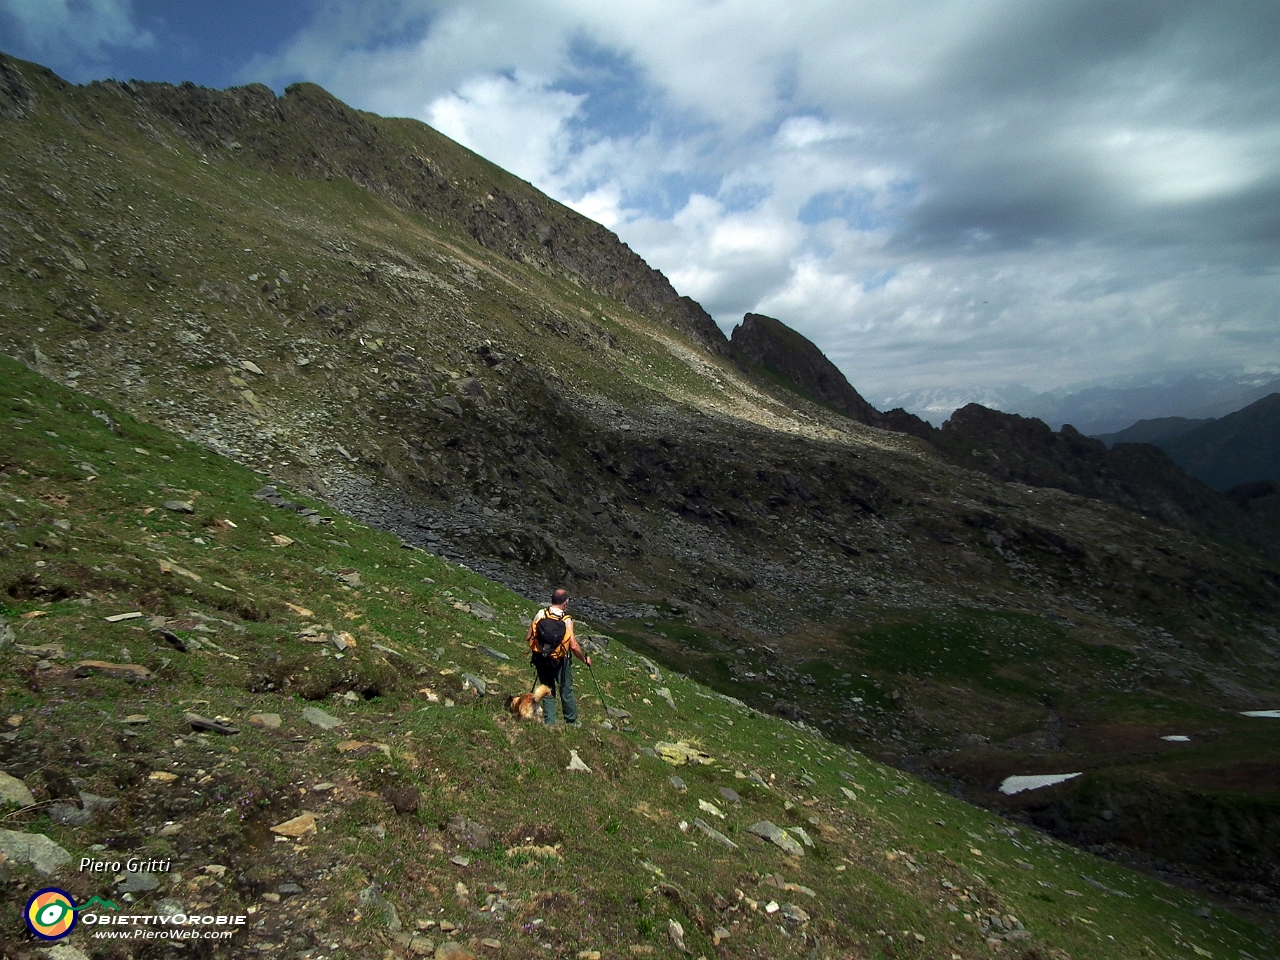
[[523, 705]]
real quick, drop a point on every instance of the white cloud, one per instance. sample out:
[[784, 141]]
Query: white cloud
[[86, 26], [1179, 165], [518, 122], [937, 193], [801, 132]]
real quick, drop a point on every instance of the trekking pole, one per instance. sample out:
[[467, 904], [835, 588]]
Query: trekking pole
[[608, 710]]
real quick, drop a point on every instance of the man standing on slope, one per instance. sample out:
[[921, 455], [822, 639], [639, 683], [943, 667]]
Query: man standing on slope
[[551, 641]]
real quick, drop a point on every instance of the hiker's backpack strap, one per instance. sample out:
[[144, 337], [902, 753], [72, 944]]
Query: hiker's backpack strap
[[533, 630]]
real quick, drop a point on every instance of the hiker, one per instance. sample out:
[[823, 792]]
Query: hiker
[[553, 647]]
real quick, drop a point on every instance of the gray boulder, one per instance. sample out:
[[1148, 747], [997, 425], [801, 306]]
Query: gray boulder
[[778, 837], [35, 849]]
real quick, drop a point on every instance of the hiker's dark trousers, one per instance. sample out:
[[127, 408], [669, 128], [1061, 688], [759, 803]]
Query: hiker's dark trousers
[[558, 675]]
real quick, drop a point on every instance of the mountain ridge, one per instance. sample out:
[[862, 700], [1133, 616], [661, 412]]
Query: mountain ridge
[[1151, 431], [1096, 410], [1242, 447]]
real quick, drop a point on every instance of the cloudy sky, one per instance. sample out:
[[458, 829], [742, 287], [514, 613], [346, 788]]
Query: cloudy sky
[[939, 193]]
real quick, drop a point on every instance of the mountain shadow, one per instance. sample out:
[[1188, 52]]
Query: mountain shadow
[[1242, 447]]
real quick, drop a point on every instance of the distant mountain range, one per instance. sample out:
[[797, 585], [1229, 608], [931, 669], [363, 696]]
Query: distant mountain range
[[1242, 448], [1152, 431], [1099, 410]]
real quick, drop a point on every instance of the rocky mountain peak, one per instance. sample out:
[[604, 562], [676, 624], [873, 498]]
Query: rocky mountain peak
[[770, 344]]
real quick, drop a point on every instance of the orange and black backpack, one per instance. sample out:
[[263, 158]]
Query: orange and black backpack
[[550, 638]]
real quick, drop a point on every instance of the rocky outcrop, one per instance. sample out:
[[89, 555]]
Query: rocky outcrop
[[1137, 476], [418, 170], [766, 343], [15, 94]]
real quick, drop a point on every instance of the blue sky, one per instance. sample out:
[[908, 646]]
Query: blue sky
[[940, 193]]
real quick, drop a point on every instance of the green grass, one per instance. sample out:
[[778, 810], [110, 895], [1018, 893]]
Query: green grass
[[623, 866]]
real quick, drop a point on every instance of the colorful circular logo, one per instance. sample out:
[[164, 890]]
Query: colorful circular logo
[[51, 913]]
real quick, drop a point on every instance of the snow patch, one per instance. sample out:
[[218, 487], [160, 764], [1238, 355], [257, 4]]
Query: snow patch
[[1014, 785]]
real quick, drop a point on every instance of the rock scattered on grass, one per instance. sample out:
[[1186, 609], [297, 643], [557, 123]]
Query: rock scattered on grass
[[482, 611], [81, 815], [341, 641], [682, 752], [299, 826], [138, 883], [35, 849], [714, 834], [13, 790], [795, 914], [170, 907], [179, 506], [576, 764], [373, 901], [804, 837], [63, 951], [777, 836], [421, 946], [710, 808], [198, 722], [270, 721], [118, 671], [317, 717], [676, 933], [475, 835]]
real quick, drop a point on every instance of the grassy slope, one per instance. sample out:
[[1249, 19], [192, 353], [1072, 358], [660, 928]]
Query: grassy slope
[[623, 869]]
